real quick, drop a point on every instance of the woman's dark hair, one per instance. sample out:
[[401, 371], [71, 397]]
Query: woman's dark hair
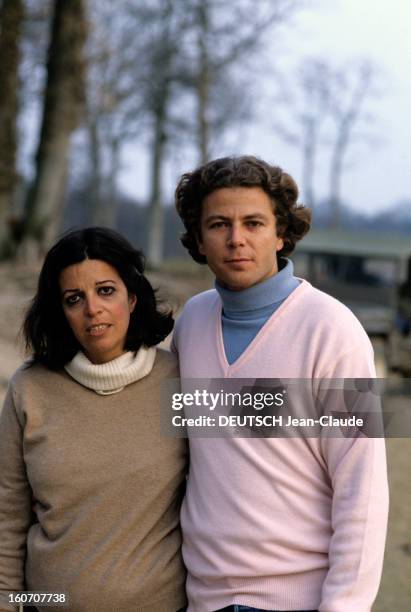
[[45, 328], [293, 220]]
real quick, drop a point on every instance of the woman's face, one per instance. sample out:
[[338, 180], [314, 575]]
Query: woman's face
[[97, 307]]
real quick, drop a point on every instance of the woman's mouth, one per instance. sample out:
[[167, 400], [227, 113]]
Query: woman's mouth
[[97, 330]]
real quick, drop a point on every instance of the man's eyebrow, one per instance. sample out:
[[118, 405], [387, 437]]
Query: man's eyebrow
[[214, 217], [256, 215], [109, 280]]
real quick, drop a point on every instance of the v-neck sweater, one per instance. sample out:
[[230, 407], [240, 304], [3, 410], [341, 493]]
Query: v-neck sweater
[[245, 312], [283, 523]]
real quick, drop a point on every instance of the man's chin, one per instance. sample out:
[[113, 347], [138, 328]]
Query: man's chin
[[241, 280], [237, 283]]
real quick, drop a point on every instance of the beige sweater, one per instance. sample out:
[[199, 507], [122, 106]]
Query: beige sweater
[[107, 487]]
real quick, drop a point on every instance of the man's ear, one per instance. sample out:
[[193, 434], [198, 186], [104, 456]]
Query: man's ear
[[280, 244], [199, 244]]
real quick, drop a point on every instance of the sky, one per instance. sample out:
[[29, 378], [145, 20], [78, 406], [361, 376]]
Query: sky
[[379, 175], [376, 176]]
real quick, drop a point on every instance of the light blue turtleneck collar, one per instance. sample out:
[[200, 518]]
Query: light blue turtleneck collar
[[269, 292], [245, 312]]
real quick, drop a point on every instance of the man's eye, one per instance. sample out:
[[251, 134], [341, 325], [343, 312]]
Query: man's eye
[[254, 223], [217, 224], [106, 290]]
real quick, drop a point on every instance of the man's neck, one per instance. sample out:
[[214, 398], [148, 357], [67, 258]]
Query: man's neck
[[273, 289]]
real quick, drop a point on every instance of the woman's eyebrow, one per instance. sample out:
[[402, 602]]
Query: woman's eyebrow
[[69, 291], [109, 280]]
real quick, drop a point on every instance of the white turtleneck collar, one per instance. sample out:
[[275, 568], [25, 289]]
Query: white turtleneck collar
[[113, 376]]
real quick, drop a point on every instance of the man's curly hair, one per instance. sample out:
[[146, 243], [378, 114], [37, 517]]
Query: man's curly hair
[[293, 220]]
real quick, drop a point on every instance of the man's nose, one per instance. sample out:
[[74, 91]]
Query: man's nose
[[92, 305], [236, 235]]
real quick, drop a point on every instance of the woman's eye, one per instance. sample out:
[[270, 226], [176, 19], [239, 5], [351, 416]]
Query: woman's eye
[[71, 300], [106, 290], [254, 223], [217, 224]]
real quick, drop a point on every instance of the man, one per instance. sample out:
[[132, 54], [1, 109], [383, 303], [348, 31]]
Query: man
[[272, 523]]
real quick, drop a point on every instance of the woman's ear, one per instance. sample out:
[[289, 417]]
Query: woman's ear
[[132, 301]]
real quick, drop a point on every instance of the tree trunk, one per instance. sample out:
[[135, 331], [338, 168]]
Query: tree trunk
[[156, 216], [346, 121], [11, 18], [159, 103], [112, 182], [203, 84], [309, 150], [335, 180], [63, 107], [95, 184], [105, 212]]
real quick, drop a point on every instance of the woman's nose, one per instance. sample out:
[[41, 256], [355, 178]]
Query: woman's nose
[[92, 306]]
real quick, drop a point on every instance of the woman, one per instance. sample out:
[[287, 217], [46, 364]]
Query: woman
[[79, 434]]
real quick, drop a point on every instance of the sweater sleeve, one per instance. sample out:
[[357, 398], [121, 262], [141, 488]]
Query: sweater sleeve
[[358, 474], [15, 502]]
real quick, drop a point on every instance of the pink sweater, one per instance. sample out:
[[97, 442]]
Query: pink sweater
[[283, 524]]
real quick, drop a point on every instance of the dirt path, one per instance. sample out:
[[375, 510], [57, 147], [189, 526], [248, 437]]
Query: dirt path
[[395, 591]]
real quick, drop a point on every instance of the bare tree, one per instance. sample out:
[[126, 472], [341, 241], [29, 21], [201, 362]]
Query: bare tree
[[315, 86], [114, 102], [229, 36], [307, 109], [353, 87], [133, 83], [166, 72], [212, 38], [166, 26], [327, 108], [203, 79], [63, 108], [11, 19]]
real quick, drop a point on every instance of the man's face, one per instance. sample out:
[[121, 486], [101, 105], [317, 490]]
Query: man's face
[[239, 236]]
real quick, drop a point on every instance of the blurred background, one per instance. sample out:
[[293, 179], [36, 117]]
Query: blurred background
[[103, 105]]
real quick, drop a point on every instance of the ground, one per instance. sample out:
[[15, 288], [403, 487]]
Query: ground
[[17, 286]]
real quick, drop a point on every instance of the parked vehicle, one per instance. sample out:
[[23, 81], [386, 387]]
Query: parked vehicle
[[371, 274]]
